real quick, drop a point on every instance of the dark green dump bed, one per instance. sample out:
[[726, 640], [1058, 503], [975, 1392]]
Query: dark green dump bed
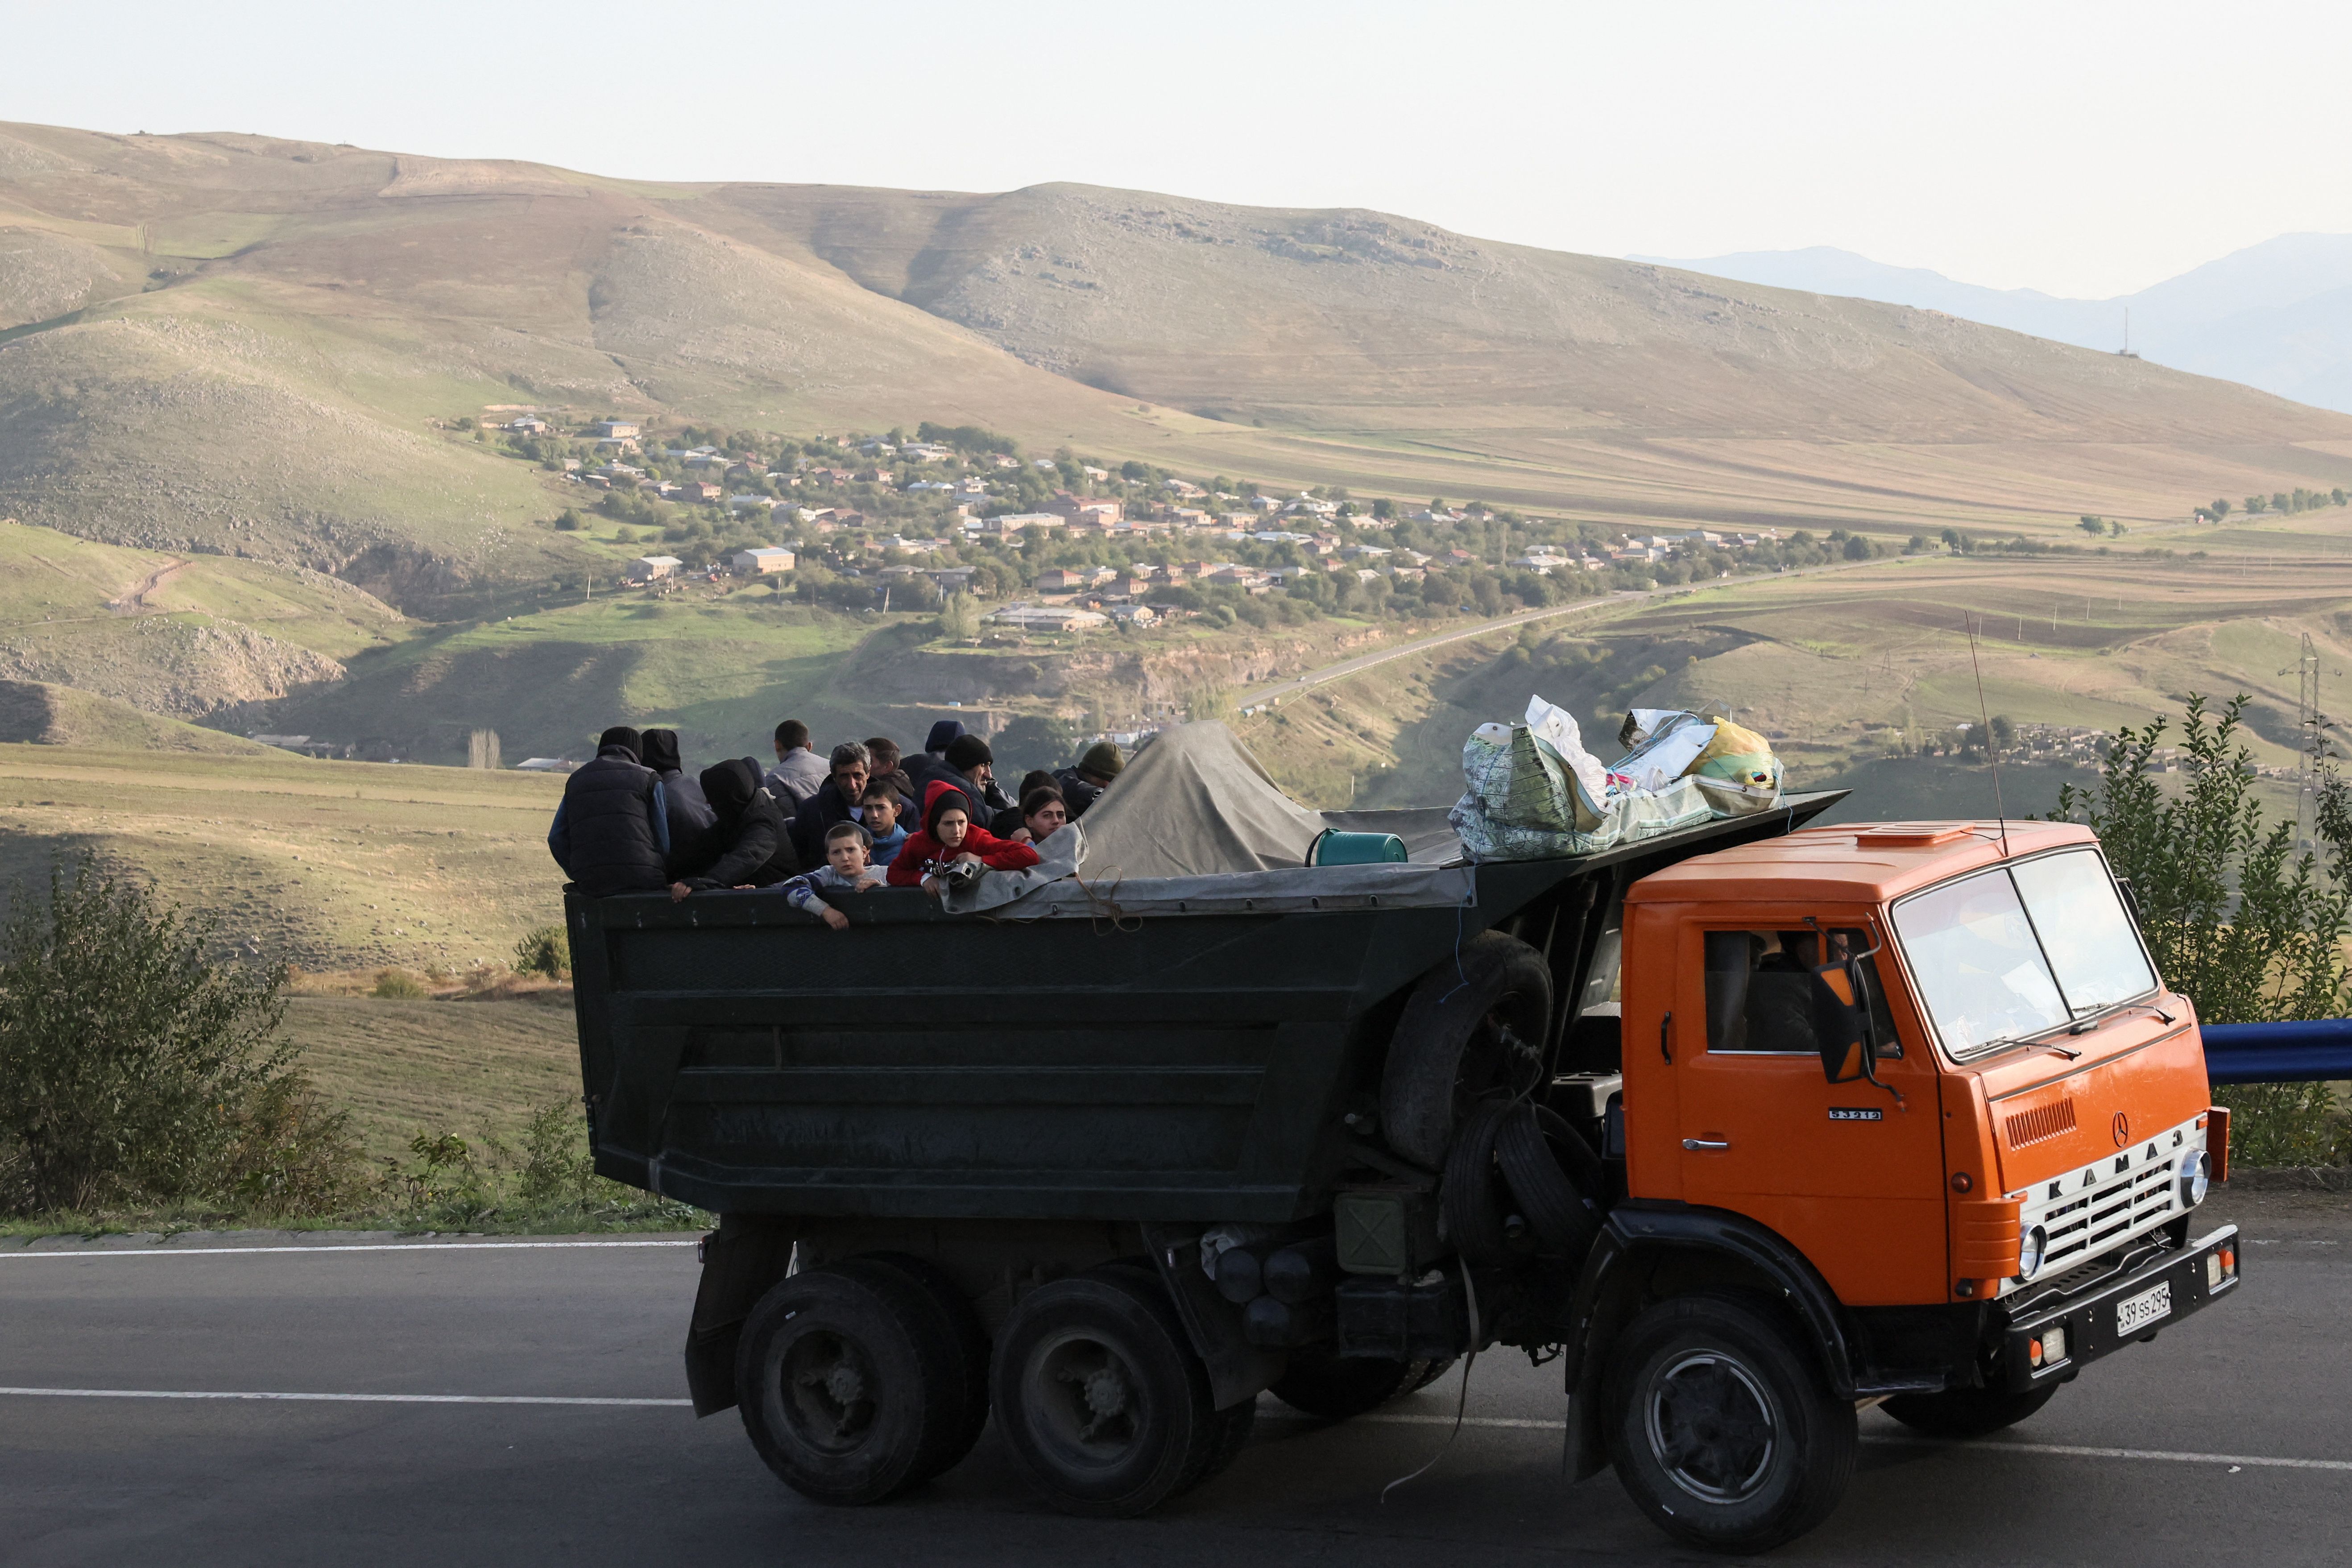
[[742, 1056]]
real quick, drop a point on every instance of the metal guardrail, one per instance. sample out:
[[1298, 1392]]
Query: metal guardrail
[[2278, 1053]]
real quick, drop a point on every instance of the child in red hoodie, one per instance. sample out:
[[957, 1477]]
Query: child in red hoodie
[[949, 837]]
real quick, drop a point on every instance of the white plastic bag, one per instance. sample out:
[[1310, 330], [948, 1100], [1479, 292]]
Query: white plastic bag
[[1556, 728]]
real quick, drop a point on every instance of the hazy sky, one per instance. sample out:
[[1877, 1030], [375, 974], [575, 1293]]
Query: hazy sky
[[2083, 149]]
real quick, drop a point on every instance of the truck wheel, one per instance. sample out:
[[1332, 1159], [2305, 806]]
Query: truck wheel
[[838, 1374], [1721, 1427], [963, 1398], [1967, 1412], [1333, 1388], [1474, 1028], [1234, 1424], [1100, 1397]]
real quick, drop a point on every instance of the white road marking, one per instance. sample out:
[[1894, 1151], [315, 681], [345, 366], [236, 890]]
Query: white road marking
[[333, 1249], [342, 1398], [1492, 1422], [1988, 1445]]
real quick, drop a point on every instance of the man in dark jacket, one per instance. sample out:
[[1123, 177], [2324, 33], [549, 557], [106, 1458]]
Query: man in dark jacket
[[691, 823], [971, 767], [610, 835], [755, 848], [835, 800], [1080, 785]]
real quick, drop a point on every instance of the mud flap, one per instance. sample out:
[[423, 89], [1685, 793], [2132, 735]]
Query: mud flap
[[1238, 1370], [741, 1260]]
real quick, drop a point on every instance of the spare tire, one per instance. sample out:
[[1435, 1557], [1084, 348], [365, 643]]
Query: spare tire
[[1473, 1030], [1469, 1199], [1556, 1177]]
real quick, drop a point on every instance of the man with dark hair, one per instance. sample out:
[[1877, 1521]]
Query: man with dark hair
[[1081, 785], [887, 763], [835, 800], [692, 820], [799, 771], [610, 834]]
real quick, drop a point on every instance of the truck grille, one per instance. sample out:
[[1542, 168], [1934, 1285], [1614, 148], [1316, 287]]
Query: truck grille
[[2094, 1210]]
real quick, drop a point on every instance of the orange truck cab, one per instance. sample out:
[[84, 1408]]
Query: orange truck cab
[[1906, 1105]]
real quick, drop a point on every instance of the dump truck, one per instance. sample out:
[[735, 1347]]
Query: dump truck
[[1753, 1126]]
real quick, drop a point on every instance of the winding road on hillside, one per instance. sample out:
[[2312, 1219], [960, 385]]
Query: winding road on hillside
[[1299, 684]]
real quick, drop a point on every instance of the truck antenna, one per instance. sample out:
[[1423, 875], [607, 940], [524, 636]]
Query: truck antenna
[[2000, 813]]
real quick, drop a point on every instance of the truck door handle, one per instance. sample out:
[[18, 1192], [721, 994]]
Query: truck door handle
[[1697, 1145]]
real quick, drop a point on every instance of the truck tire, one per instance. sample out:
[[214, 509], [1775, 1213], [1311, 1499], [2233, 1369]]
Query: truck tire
[[1722, 1427], [838, 1374], [1967, 1412], [1470, 1198], [1234, 1424], [1551, 1171], [1333, 1388], [1474, 1028], [964, 1397], [1100, 1397]]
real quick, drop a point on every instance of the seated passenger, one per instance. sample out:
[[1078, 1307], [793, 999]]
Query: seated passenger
[[693, 827], [755, 848], [798, 770], [835, 800], [968, 765], [845, 871], [880, 821], [886, 761], [1043, 813], [1012, 822], [611, 832], [948, 839], [1083, 785]]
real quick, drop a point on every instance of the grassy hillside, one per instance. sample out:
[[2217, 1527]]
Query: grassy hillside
[[1847, 669], [329, 865], [175, 633], [253, 335], [46, 715]]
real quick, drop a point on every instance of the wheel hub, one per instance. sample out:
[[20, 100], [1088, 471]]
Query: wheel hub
[[827, 1392], [1712, 1426]]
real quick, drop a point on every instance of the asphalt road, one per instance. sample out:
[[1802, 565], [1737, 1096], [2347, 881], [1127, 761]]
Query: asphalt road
[[2228, 1440]]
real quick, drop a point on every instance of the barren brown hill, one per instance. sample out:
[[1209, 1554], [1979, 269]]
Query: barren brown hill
[[236, 343]]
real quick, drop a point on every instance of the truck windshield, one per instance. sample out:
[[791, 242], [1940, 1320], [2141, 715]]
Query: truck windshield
[[2011, 952]]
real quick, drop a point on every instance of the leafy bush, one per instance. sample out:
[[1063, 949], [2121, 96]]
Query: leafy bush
[[546, 952], [398, 984], [135, 1068], [2239, 919]]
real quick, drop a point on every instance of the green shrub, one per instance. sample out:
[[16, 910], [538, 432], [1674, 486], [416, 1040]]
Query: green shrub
[[398, 984], [2239, 919], [543, 952], [135, 1068]]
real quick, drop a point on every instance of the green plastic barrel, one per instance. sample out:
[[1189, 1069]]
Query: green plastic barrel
[[1333, 847]]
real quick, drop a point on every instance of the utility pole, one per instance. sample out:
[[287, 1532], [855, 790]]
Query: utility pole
[[2312, 744]]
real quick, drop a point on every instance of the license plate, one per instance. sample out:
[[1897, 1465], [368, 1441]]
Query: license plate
[[2143, 1309]]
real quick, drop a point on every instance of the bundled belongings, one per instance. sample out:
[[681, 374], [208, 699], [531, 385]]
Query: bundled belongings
[[1535, 792]]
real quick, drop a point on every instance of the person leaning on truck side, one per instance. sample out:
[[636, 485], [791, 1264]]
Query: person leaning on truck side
[[755, 848], [1012, 823], [610, 834], [1081, 787], [838, 799], [798, 770], [692, 823], [949, 838]]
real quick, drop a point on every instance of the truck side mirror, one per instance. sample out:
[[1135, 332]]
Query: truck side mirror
[[1841, 1025]]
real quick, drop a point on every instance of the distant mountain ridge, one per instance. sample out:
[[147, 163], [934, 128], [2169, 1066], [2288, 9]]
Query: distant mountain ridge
[[2276, 316]]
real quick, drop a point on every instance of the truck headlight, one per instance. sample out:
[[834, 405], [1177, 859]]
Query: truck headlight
[[2196, 1177], [2031, 1247]]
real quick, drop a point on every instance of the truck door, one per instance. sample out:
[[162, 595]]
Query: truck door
[[1851, 1173]]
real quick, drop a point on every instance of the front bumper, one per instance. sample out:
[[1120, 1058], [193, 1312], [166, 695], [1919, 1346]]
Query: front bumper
[[2092, 1312]]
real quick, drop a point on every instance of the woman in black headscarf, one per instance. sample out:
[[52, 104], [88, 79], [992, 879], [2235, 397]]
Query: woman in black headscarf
[[694, 840], [755, 850]]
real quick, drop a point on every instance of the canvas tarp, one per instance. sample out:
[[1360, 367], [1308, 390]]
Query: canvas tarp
[[1195, 803]]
